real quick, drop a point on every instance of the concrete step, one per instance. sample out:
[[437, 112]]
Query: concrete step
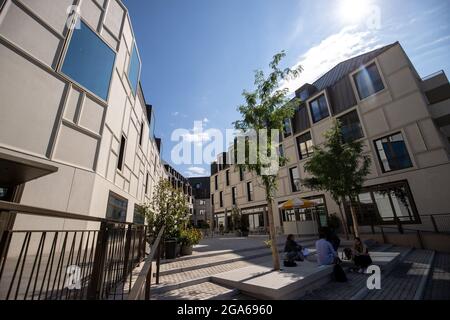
[[200, 291], [407, 281], [200, 262]]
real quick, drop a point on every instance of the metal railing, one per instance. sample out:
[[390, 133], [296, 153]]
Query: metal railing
[[68, 264], [141, 288]]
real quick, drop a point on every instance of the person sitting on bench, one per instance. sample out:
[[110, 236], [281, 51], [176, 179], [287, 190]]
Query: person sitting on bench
[[293, 250], [326, 255], [361, 256]]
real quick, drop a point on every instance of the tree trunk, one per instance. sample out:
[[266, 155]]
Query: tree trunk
[[355, 221], [273, 237], [344, 221]]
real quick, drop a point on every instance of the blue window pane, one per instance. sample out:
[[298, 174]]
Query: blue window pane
[[89, 61], [319, 109], [393, 153], [368, 81], [134, 70]]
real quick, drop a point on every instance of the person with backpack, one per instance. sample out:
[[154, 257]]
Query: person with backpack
[[293, 251]]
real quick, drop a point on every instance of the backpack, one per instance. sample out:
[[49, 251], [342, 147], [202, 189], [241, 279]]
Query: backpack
[[348, 254], [339, 274]]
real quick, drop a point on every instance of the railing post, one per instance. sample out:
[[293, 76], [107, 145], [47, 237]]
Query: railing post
[[148, 282], [95, 283], [158, 262], [126, 260], [434, 224], [419, 237]]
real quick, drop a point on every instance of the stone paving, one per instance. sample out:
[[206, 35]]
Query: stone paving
[[202, 291], [439, 283]]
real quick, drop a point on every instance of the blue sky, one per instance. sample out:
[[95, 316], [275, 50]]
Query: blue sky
[[199, 55]]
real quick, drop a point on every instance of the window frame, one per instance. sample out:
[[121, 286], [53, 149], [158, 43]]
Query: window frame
[[74, 82], [122, 151], [294, 188], [114, 195], [347, 113], [227, 177], [127, 73], [216, 182], [310, 153], [380, 162], [355, 83], [221, 199], [316, 98], [234, 195], [250, 191]]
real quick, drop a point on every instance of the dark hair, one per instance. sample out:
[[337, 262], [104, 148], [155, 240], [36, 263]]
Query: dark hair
[[323, 233], [358, 238], [290, 237]]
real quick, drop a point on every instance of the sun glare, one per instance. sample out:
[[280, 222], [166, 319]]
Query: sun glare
[[353, 11]]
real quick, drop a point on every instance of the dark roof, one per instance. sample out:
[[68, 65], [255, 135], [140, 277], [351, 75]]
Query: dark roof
[[344, 68]]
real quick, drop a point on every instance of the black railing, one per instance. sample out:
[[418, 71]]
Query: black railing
[[68, 264]]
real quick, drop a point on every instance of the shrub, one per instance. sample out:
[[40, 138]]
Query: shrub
[[190, 237]]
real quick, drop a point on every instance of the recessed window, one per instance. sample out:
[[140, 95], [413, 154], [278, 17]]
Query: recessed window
[[117, 208], [319, 109], [146, 182], [134, 70], [141, 134], [234, 195], [305, 146], [295, 179], [287, 128], [227, 176], [121, 153], [216, 182], [351, 126], [392, 153], [221, 198], [212, 199], [89, 61], [138, 217], [250, 191], [241, 174], [368, 81]]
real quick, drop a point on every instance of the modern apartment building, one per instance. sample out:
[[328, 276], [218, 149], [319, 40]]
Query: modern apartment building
[[202, 205], [179, 182], [404, 124], [76, 133]]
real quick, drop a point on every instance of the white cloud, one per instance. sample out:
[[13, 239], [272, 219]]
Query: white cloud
[[347, 43], [175, 114], [196, 172], [206, 120]]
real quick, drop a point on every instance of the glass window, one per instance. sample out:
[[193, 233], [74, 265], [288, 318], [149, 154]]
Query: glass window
[[89, 61], [351, 126], [368, 81], [241, 174], [212, 199], [250, 191], [234, 195], [392, 153], [305, 146], [216, 182], [138, 217], [121, 153], [295, 179], [227, 176], [134, 70], [319, 109], [117, 208], [221, 199], [287, 128]]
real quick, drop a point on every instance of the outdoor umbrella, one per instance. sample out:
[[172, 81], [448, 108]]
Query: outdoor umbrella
[[297, 203]]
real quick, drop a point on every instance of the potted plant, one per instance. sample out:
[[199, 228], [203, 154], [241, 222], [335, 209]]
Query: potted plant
[[189, 238]]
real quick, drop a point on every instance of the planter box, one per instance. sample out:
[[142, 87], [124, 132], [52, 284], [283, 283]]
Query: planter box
[[186, 250]]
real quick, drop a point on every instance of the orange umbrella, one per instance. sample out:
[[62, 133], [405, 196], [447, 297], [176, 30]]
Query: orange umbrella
[[297, 203]]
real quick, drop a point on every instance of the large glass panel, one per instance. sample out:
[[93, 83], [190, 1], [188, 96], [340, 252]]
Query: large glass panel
[[89, 61], [401, 204], [305, 146], [384, 206], [287, 128], [117, 208], [368, 81], [134, 70], [393, 153], [319, 109], [295, 179]]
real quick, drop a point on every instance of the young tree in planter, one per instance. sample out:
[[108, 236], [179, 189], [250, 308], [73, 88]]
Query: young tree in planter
[[267, 108], [340, 168], [169, 207]]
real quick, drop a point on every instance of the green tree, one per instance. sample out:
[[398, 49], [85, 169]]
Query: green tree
[[339, 167], [169, 207], [267, 107]]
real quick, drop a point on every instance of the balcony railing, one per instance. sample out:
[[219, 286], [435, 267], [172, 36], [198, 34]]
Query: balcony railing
[[72, 264]]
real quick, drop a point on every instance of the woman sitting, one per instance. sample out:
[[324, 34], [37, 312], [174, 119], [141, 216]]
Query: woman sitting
[[361, 256], [293, 251]]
